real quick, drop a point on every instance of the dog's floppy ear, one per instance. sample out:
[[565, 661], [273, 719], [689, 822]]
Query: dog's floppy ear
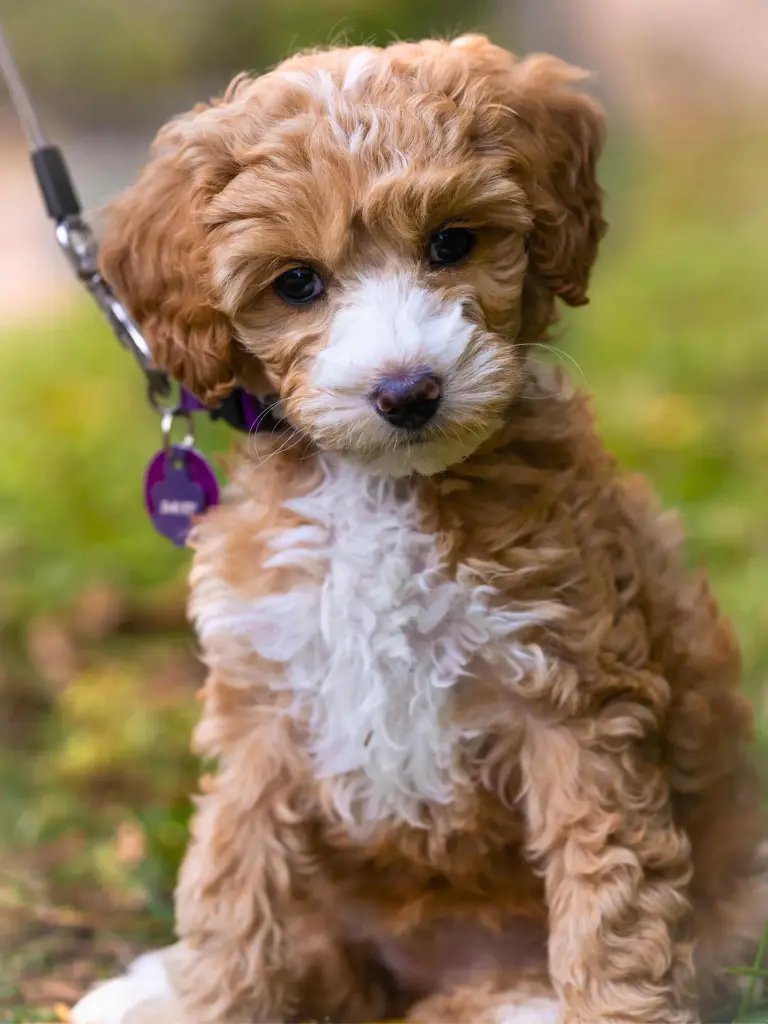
[[553, 136], [566, 129], [154, 254]]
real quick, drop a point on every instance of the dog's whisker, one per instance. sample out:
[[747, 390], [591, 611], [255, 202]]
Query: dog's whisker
[[291, 442], [557, 351], [262, 416]]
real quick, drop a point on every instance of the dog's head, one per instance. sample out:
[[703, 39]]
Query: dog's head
[[372, 235]]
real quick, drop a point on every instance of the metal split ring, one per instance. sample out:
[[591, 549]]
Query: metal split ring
[[166, 428]]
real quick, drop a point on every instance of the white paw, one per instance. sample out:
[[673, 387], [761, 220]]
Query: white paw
[[144, 986], [533, 1011]]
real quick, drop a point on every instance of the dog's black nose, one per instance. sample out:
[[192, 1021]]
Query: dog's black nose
[[408, 400]]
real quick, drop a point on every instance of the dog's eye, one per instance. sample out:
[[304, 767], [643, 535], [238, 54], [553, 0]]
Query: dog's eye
[[450, 245], [299, 285]]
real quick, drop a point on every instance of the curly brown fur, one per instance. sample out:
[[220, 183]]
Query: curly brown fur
[[479, 734]]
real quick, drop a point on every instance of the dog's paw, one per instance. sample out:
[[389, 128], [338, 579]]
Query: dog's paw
[[143, 995], [534, 1011]]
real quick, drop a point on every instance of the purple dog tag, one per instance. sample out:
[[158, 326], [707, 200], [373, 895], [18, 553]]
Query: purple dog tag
[[178, 486]]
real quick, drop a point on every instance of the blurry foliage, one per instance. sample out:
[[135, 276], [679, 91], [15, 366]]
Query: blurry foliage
[[97, 676], [77, 433], [116, 58]]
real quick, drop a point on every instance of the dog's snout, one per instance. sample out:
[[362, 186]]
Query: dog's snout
[[408, 400]]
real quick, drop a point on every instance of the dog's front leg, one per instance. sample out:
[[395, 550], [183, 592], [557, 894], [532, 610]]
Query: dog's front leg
[[616, 867], [253, 945]]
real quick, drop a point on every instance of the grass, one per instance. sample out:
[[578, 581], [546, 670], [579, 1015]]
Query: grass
[[97, 668]]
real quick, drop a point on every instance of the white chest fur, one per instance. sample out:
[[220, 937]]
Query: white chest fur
[[374, 642]]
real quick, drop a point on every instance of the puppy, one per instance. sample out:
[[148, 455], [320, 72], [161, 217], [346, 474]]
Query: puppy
[[480, 744]]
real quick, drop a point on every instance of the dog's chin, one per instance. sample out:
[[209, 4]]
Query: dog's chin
[[422, 455], [356, 433], [422, 460]]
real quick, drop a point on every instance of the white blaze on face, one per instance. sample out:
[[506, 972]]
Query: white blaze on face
[[391, 325], [388, 325]]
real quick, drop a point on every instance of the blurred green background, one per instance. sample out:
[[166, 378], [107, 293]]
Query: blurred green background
[[97, 668]]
